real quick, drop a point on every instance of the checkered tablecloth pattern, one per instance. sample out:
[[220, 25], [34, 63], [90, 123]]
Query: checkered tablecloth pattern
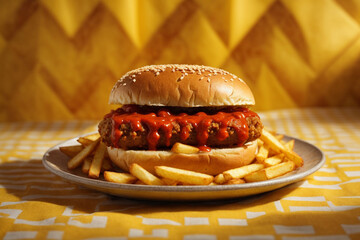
[[35, 204]]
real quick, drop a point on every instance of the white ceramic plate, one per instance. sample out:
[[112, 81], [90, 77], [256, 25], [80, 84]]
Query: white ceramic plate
[[56, 162]]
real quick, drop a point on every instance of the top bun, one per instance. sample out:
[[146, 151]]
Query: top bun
[[181, 86]]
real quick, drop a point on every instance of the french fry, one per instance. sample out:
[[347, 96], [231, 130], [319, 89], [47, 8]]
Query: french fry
[[262, 154], [71, 151], [219, 179], [87, 140], [242, 171], [279, 136], [290, 144], [95, 167], [260, 142], [184, 176], [93, 136], [117, 177], [274, 160], [278, 147], [86, 165], [183, 148], [235, 181], [270, 172], [84, 141], [143, 175], [291, 155], [272, 132], [78, 159]]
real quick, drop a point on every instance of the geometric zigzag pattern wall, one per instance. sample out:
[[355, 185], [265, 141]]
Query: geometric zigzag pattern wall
[[59, 59]]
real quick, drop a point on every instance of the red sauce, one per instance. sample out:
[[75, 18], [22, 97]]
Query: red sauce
[[162, 120]]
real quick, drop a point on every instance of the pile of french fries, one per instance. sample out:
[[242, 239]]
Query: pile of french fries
[[273, 159]]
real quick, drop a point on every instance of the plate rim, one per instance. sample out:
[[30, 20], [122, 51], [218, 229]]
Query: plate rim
[[283, 180]]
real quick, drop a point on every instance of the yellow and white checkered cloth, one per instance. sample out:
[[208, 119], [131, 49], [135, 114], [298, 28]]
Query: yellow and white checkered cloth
[[35, 204]]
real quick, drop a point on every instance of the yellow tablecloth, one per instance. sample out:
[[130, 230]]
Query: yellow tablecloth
[[35, 204]]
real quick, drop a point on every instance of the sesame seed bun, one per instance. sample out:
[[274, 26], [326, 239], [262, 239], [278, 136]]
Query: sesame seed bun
[[214, 162], [182, 86]]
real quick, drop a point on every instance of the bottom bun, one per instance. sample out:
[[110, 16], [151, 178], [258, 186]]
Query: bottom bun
[[214, 162]]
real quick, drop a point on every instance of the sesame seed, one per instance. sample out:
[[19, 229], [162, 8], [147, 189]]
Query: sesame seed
[[208, 80], [134, 80]]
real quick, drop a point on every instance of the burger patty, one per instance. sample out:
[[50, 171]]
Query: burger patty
[[138, 139]]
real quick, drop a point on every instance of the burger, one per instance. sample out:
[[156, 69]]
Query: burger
[[200, 106]]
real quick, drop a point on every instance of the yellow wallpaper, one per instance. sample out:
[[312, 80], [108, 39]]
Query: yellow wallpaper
[[59, 59]]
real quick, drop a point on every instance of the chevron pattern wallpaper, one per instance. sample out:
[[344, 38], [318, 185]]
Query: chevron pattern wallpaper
[[60, 58]]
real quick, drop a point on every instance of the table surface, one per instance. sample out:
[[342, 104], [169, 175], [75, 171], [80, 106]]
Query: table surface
[[35, 204]]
